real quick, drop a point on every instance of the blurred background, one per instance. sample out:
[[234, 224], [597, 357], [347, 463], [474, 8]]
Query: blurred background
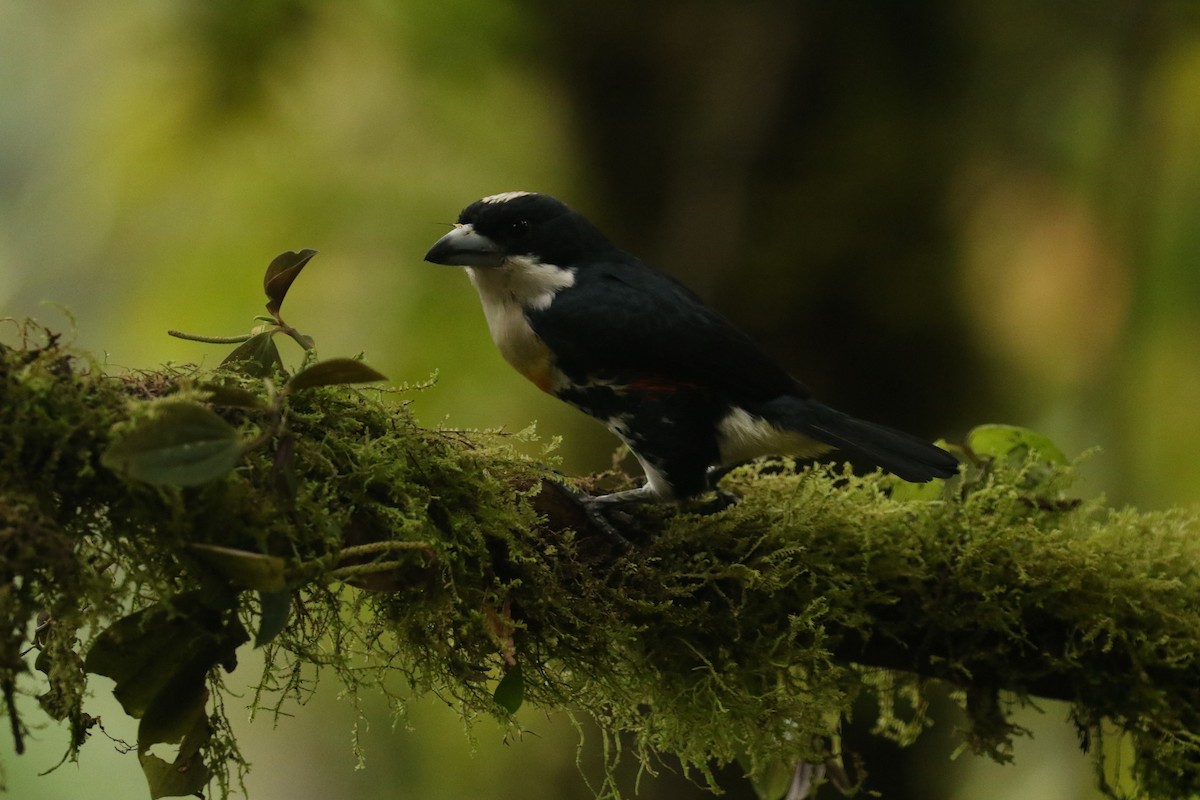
[[937, 214]]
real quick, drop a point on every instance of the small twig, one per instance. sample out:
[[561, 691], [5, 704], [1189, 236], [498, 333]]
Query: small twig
[[370, 568], [373, 567], [372, 548], [356, 551], [18, 730], [301, 339]]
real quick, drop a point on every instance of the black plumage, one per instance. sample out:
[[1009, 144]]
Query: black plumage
[[631, 346]]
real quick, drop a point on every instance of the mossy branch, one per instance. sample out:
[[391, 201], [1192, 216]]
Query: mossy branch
[[745, 634]]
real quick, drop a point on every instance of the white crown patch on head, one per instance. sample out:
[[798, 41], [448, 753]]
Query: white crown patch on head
[[504, 197]]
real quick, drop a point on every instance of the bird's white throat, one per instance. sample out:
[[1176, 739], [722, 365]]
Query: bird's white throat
[[507, 292], [522, 280]]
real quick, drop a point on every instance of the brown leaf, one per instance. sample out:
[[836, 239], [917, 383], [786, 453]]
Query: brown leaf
[[282, 270]]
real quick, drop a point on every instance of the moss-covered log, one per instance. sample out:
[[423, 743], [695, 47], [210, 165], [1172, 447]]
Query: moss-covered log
[[347, 536]]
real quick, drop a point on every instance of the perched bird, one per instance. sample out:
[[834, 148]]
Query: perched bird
[[685, 389]]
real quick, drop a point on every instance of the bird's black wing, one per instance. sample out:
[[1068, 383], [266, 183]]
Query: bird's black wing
[[625, 321]]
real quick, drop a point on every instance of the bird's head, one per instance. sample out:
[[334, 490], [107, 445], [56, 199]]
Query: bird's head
[[533, 227]]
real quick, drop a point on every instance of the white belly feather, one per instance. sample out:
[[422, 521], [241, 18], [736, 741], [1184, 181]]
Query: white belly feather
[[743, 436]]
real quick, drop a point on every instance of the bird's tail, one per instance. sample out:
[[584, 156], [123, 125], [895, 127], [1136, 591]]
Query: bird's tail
[[902, 454]]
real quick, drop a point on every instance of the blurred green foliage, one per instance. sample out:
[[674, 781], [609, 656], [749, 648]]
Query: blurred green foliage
[[937, 214]]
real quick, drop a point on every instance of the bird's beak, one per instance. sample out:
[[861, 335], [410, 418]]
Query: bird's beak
[[464, 247]]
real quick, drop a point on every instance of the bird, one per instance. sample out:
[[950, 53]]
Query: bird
[[686, 390]]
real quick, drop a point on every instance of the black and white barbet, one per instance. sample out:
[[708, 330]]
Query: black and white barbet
[[685, 389]]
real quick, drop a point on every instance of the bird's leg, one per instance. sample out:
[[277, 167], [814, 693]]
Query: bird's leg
[[596, 508], [713, 475]]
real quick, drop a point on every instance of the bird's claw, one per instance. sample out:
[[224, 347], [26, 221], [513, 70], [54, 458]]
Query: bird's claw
[[726, 498], [721, 499], [594, 509], [595, 514]]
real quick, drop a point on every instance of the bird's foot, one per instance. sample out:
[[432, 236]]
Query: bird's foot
[[601, 510], [597, 516], [720, 500], [594, 509], [724, 497]]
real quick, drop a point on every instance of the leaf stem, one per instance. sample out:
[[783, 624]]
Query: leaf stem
[[195, 337]]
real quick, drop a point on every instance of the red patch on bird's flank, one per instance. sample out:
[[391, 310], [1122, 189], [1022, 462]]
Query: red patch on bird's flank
[[655, 387]]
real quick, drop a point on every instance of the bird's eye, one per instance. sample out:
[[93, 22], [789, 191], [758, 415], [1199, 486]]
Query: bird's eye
[[519, 228]]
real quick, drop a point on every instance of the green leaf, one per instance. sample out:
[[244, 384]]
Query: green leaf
[[1013, 443], [182, 444], [171, 717], [276, 608], [333, 371], [245, 568], [184, 777], [917, 492], [164, 651], [773, 781], [223, 394], [257, 357], [160, 659], [280, 274], [510, 691]]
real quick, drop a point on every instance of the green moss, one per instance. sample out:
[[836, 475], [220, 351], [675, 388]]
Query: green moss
[[444, 557]]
